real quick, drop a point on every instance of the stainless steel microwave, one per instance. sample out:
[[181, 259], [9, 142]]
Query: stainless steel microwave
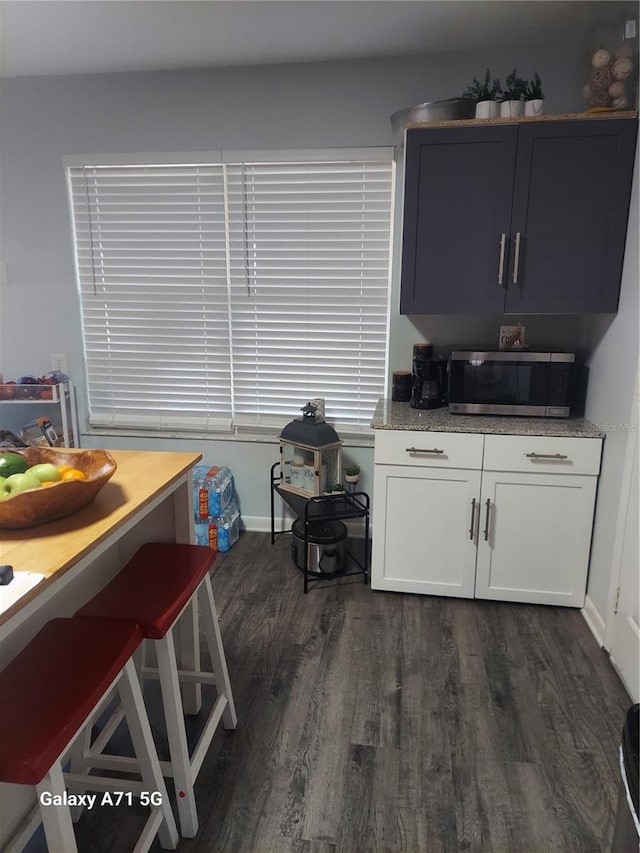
[[510, 382]]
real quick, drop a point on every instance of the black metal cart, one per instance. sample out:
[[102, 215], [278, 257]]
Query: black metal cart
[[333, 507]]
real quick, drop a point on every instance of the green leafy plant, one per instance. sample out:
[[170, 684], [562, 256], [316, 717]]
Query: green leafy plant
[[514, 88], [488, 90], [533, 89], [337, 487], [352, 471]]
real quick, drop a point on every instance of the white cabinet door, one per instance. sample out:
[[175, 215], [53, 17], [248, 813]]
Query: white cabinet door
[[424, 537], [535, 546]]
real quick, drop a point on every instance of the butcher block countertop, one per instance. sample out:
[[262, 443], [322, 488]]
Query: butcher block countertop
[[52, 549], [391, 415]]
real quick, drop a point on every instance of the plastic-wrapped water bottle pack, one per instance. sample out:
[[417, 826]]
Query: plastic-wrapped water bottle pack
[[217, 515]]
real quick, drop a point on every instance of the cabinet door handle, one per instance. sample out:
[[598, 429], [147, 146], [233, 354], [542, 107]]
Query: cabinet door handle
[[486, 522], [516, 259], [423, 450], [473, 516], [546, 456], [503, 243]]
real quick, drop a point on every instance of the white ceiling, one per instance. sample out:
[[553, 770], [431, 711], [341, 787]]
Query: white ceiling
[[94, 36]]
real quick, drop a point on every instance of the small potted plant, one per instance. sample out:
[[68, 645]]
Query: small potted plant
[[486, 95], [513, 95], [534, 97], [352, 474]]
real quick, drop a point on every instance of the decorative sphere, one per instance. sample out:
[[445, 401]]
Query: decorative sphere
[[601, 58], [622, 68], [620, 103], [616, 90]]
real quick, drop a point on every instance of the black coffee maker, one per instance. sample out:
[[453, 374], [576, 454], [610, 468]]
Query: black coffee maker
[[429, 379]]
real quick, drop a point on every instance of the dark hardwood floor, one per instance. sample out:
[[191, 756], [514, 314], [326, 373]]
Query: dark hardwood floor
[[372, 721]]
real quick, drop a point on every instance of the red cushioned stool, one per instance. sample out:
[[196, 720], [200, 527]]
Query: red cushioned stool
[[155, 587], [49, 692]]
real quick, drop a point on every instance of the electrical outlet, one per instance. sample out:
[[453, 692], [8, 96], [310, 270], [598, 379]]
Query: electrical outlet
[[59, 362], [630, 29]]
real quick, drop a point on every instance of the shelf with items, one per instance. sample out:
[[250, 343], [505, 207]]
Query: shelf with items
[[60, 395], [334, 507]]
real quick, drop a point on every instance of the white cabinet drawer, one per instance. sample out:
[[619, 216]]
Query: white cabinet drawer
[[542, 454], [428, 449]]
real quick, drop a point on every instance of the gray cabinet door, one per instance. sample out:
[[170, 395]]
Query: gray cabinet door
[[570, 209], [457, 213]]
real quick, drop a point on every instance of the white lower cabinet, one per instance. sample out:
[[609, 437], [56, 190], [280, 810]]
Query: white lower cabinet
[[425, 540], [535, 545], [517, 535]]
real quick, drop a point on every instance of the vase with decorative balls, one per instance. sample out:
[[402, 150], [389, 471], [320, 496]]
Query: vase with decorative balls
[[611, 74]]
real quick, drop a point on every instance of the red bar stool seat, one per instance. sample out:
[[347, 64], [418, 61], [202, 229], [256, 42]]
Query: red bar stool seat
[[153, 590], [48, 693]]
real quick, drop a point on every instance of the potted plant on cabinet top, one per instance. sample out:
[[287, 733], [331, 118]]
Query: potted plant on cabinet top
[[352, 474], [485, 95], [534, 97], [513, 95]]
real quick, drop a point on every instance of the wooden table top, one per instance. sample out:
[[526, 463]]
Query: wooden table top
[[53, 548]]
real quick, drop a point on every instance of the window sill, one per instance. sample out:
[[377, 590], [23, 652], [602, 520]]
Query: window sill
[[353, 440]]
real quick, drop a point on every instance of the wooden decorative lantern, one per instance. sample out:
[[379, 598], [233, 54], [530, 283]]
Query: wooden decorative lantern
[[310, 457]]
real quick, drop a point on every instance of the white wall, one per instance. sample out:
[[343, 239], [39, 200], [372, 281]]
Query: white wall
[[613, 368]]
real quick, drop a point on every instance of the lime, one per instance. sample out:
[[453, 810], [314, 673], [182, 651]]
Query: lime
[[12, 463]]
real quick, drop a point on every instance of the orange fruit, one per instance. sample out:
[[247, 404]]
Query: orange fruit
[[74, 474], [64, 468], [48, 483]]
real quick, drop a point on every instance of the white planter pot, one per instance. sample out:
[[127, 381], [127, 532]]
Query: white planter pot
[[351, 478], [510, 109], [486, 109], [534, 107]]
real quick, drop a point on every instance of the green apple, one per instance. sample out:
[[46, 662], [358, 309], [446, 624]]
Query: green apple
[[21, 482], [4, 492], [46, 472]]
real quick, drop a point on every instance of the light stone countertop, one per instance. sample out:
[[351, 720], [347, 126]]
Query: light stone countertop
[[390, 415]]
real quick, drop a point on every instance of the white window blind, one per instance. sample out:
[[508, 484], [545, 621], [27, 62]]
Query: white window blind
[[151, 258], [232, 292]]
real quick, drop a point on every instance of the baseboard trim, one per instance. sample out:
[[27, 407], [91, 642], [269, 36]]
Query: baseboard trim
[[594, 620], [261, 524]]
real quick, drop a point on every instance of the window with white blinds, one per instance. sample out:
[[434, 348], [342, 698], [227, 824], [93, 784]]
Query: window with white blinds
[[228, 293]]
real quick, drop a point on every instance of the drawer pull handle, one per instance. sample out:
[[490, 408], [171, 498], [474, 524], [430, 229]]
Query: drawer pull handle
[[546, 456], [423, 450], [486, 523], [473, 516]]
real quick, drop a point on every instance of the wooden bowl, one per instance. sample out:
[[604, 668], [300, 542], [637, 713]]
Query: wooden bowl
[[38, 506]]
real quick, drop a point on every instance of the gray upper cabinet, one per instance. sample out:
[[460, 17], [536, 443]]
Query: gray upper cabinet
[[525, 218]]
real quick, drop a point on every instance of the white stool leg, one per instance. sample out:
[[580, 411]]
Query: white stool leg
[[56, 820], [173, 713], [145, 751], [216, 652], [189, 655], [78, 765]]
